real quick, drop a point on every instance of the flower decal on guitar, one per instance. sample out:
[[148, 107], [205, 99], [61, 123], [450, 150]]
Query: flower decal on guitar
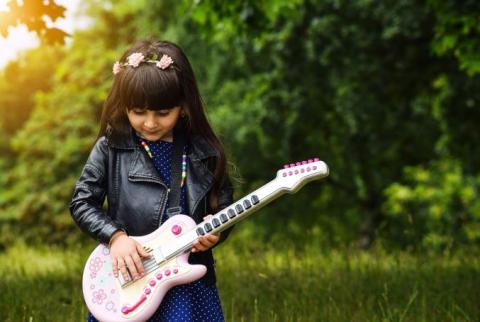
[[95, 266], [106, 251], [110, 306], [99, 296]]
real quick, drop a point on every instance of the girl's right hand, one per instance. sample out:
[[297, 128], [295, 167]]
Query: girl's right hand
[[126, 253]]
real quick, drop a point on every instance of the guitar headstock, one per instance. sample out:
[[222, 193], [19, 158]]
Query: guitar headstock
[[295, 175]]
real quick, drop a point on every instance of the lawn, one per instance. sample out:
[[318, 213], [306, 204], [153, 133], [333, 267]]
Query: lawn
[[263, 283]]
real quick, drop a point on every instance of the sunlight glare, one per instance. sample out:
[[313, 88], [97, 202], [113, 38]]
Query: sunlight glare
[[19, 39]]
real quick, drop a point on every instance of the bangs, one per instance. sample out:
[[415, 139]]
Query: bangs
[[149, 87]]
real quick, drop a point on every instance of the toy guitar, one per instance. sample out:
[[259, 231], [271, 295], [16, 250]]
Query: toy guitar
[[114, 299]]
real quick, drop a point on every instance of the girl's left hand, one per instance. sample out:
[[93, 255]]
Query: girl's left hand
[[205, 242]]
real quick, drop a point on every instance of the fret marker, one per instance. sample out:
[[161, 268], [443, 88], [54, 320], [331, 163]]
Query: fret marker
[[208, 227], [239, 208], [223, 218], [231, 213], [247, 204], [200, 231]]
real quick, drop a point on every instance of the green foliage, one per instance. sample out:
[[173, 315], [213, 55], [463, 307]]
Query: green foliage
[[457, 32], [53, 144], [20, 80], [436, 208], [334, 78], [380, 91]]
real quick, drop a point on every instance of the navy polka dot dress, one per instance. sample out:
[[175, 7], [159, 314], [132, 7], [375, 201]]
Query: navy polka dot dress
[[188, 302]]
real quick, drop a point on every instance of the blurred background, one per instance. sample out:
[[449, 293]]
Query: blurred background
[[387, 93]]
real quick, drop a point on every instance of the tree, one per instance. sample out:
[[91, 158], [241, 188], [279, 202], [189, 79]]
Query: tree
[[33, 14]]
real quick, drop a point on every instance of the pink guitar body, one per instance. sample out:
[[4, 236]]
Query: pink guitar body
[[108, 301], [112, 299]]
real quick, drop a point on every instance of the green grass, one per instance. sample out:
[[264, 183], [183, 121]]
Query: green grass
[[262, 283]]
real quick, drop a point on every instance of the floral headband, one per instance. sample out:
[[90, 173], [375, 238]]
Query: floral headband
[[136, 58]]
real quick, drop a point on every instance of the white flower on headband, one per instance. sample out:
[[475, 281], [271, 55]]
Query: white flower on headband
[[136, 58], [165, 62], [117, 67]]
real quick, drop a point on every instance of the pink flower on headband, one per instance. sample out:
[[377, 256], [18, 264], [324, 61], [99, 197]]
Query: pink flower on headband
[[135, 59], [165, 62], [116, 68]]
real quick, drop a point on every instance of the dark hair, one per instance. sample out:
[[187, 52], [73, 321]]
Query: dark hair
[[150, 87]]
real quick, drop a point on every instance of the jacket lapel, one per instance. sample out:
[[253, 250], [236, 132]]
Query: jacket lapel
[[143, 169]]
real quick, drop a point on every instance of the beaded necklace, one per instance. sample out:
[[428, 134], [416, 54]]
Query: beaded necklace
[[184, 161]]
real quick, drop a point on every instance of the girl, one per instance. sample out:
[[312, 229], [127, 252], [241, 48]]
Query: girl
[[154, 104]]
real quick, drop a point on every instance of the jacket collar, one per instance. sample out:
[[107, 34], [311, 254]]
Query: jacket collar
[[199, 148]]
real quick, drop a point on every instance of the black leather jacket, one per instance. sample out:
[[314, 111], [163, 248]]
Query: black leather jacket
[[122, 172]]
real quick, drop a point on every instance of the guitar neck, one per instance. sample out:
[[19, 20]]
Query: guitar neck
[[287, 181], [242, 208]]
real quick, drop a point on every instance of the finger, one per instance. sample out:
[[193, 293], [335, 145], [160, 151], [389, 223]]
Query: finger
[[208, 240], [142, 251], [138, 264], [131, 267], [212, 238], [115, 267], [197, 246], [203, 244], [123, 269]]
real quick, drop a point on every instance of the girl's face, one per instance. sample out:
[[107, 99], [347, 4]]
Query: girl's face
[[154, 125]]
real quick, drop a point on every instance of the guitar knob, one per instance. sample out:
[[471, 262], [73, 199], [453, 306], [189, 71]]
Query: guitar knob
[[176, 229], [152, 282], [159, 276], [147, 291]]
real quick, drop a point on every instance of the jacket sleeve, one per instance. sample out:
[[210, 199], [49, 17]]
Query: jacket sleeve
[[89, 194]]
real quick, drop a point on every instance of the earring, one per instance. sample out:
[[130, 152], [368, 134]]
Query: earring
[[183, 114]]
